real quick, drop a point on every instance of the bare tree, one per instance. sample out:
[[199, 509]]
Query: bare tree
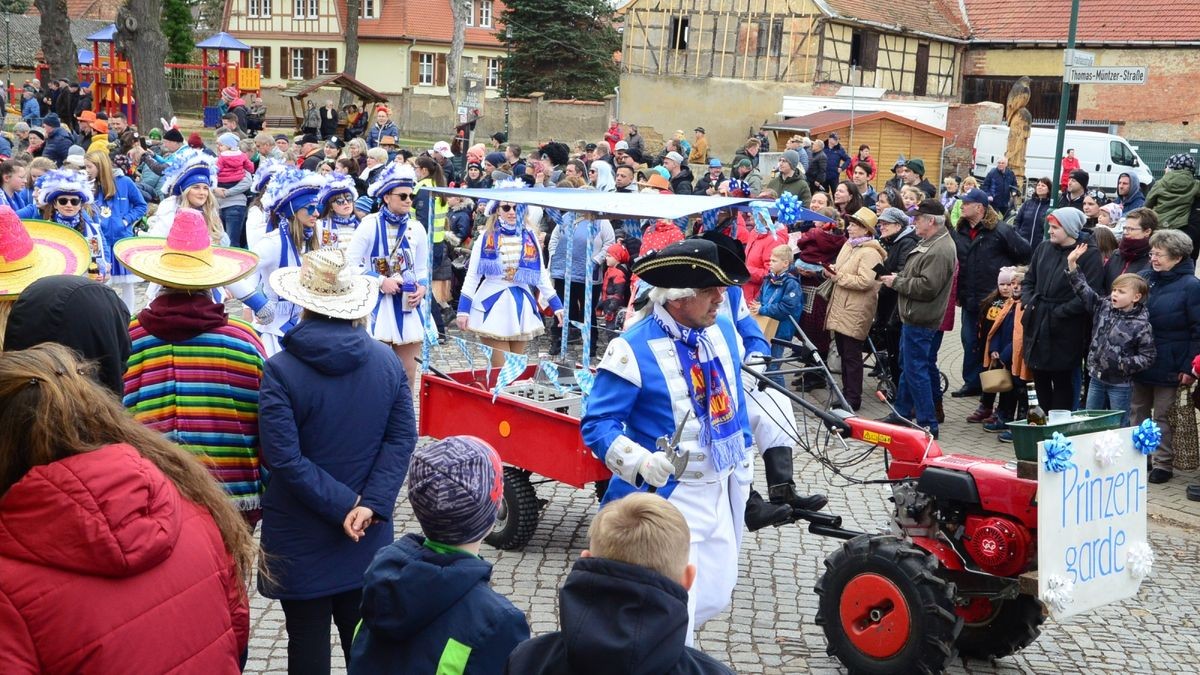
[[57, 46], [458, 9], [353, 9], [140, 39]]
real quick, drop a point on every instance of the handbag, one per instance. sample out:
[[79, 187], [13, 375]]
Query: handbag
[[996, 380], [825, 289], [1185, 441]]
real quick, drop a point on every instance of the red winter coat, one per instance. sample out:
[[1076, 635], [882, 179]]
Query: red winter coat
[[106, 568], [758, 258]]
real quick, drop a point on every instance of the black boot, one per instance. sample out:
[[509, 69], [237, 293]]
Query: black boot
[[760, 514], [781, 488]]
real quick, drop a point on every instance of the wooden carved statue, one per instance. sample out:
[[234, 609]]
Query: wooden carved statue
[[1019, 124]]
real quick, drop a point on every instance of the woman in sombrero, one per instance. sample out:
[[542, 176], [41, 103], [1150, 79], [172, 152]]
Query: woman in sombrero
[[32, 250], [292, 231], [119, 205], [194, 372], [497, 301], [335, 209], [394, 247], [62, 196]]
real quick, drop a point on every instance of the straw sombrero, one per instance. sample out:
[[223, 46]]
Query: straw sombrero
[[325, 284], [33, 249], [185, 258]]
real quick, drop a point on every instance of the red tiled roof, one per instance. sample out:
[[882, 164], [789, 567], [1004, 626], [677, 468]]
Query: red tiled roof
[[101, 10], [1100, 21], [424, 20], [936, 17]]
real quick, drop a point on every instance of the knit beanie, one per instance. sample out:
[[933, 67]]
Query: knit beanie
[[228, 140], [194, 141], [1006, 275], [1070, 219], [496, 159], [916, 165], [1080, 177], [1182, 162], [792, 157], [455, 486]]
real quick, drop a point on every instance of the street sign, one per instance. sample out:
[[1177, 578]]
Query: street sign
[[1079, 58], [1106, 75]]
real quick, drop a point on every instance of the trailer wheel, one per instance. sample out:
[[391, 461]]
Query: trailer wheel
[[517, 517], [993, 629], [884, 610]]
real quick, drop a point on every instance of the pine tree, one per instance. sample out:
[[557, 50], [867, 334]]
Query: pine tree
[[177, 28], [561, 47]]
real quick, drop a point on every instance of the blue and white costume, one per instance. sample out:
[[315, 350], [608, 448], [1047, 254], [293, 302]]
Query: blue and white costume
[[763, 408], [640, 395], [336, 230], [505, 269], [69, 183], [393, 245], [287, 192]]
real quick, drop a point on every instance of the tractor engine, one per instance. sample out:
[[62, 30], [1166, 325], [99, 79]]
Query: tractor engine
[[997, 545]]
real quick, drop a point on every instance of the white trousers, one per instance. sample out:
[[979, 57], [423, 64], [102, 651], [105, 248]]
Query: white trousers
[[770, 413], [715, 513]]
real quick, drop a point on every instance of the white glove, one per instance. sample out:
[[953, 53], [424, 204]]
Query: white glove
[[266, 315], [656, 469], [754, 362]]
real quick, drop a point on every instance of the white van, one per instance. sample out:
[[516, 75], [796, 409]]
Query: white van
[[1104, 156]]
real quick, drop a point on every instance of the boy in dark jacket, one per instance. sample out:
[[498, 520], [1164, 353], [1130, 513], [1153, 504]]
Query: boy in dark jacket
[[623, 608], [427, 606], [1122, 339]]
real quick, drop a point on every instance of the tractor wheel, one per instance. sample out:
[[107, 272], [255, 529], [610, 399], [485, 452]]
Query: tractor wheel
[[517, 517], [883, 608], [993, 629]]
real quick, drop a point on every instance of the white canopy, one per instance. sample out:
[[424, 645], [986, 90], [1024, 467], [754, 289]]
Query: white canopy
[[604, 204]]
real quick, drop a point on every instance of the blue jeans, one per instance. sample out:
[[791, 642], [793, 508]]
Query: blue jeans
[[972, 356], [234, 219], [1105, 396], [919, 367], [776, 353]]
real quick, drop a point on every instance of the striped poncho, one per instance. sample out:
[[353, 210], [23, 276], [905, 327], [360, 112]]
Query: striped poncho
[[202, 393]]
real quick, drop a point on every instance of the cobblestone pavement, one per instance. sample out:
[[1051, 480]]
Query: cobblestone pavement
[[770, 625]]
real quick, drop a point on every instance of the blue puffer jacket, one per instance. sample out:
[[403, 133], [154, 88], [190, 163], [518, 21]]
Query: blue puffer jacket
[[376, 133], [1174, 305], [31, 112], [324, 453], [430, 612], [124, 208], [58, 144]]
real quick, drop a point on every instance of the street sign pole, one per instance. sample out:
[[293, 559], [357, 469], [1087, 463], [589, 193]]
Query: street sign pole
[[1063, 109]]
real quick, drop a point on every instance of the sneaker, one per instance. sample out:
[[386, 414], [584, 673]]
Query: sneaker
[[1193, 492], [981, 414], [1005, 437], [995, 426]]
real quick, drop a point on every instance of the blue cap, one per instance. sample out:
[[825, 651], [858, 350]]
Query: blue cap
[[714, 163], [976, 196], [193, 175]]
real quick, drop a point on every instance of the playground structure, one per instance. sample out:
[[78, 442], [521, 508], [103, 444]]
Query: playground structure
[[224, 61]]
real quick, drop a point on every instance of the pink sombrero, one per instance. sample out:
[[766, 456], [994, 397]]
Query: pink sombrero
[[185, 258], [32, 249]]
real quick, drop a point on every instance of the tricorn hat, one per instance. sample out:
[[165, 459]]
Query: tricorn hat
[[692, 263]]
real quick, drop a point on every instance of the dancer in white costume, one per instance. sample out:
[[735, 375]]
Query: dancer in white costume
[[335, 208], [394, 247]]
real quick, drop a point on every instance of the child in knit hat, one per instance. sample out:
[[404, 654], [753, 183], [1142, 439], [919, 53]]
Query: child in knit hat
[[232, 163], [427, 606]]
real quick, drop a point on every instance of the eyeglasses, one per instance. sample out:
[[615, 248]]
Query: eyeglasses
[[507, 207], [68, 201], [403, 196], [339, 201], [1130, 229]]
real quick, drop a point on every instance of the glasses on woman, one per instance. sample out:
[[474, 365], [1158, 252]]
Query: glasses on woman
[[68, 201], [341, 201], [403, 196], [507, 207]]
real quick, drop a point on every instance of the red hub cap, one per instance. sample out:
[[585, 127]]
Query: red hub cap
[[977, 611], [875, 615]]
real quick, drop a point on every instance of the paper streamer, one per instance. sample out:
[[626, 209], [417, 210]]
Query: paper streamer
[[1108, 449], [550, 370], [514, 365], [1060, 593], [465, 348], [426, 309], [585, 378], [1140, 560]]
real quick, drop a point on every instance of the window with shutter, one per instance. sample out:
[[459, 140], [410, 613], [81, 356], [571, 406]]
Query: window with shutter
[[266, 62], [414, 68], [333, 62], [440, 72], [310, 63]]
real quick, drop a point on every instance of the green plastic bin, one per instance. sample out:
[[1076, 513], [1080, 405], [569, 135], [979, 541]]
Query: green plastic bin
[[1026, 436]]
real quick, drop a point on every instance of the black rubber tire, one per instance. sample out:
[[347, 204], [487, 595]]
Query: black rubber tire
[[929, 647], [945, 381], [1014, 625], [519, 509]]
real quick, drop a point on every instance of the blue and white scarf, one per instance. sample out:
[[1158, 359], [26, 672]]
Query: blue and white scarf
[[713, 401], [399, 255]]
